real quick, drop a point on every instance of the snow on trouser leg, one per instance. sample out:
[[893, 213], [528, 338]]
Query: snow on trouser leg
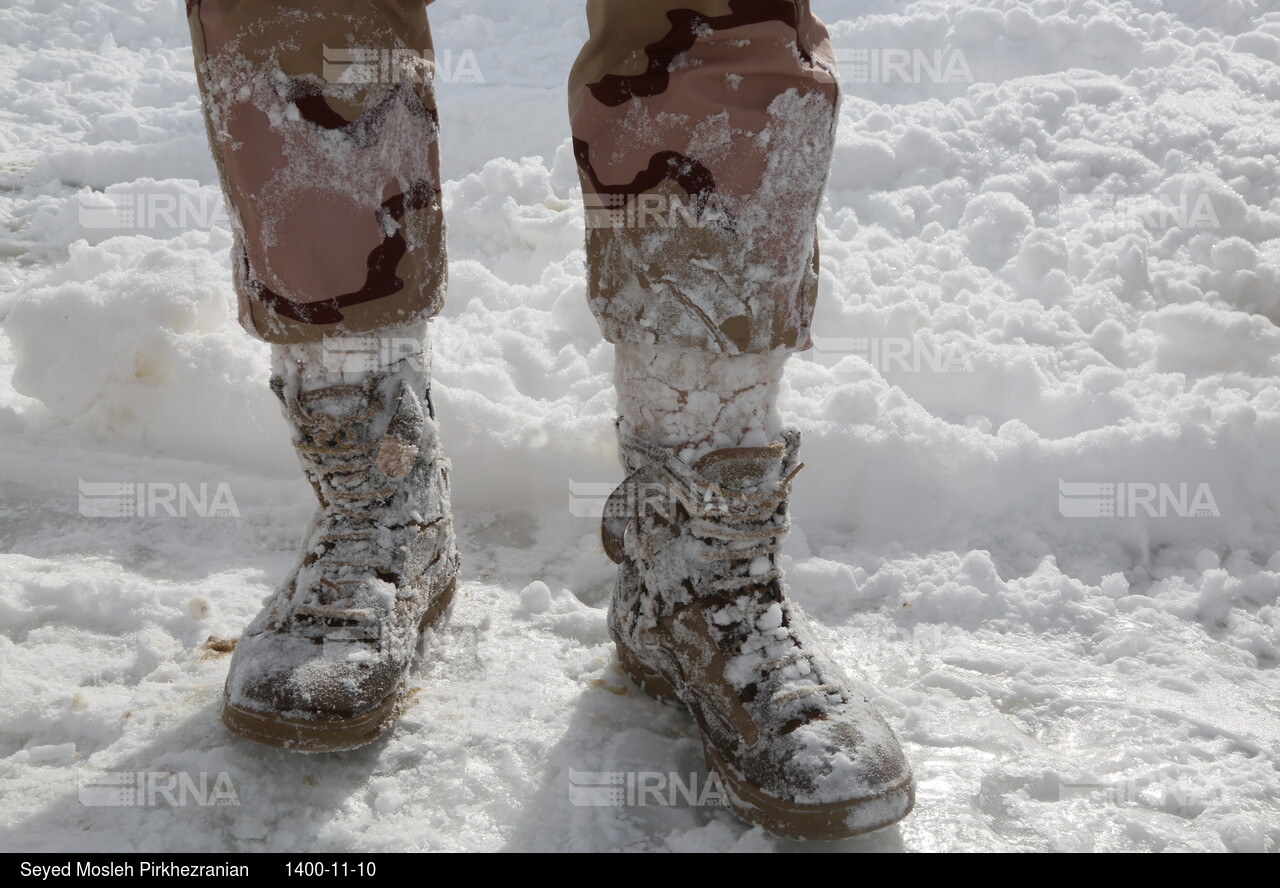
[[322, 119], [703, 131]]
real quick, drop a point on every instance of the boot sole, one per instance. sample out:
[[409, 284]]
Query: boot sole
[[790, 820], [328, 735]]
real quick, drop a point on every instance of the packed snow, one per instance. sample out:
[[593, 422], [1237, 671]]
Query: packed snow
[[1051, 263]]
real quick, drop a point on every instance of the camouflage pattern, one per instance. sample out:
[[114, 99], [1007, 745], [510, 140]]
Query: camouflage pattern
[[323, 123], [703, 131]]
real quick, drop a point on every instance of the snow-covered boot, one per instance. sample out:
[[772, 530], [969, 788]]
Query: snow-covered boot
[[700, 616], [323, 666]]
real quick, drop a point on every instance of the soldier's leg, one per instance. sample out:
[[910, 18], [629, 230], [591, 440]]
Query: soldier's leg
[[704, 132], [322, 119], [323, 124]]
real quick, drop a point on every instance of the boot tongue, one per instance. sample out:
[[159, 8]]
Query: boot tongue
[[337, 404], [400, 444], [743, 468]]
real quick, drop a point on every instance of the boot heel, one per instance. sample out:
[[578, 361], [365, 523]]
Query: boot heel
[[646, 679], [439, 606]]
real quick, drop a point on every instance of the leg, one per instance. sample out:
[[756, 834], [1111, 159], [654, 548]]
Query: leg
[[322, 121], [704, 133]]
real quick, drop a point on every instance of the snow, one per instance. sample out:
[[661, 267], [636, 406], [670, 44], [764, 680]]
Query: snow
[[1059, 683]]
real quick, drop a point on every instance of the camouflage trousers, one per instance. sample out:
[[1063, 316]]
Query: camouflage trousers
[[703, 132]]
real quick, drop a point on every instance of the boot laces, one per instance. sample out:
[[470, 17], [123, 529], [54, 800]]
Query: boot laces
[[353, 497], [742, 531]]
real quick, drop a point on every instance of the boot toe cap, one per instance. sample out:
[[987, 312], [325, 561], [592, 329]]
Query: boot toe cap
[[304, 678]]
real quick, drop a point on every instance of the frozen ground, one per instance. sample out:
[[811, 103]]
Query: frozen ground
[[1060, 683]]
